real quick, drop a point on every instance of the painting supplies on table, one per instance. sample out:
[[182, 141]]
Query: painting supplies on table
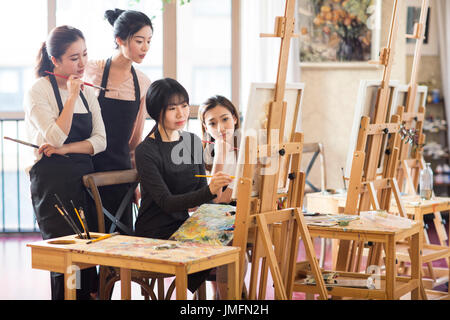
[[385, 220], [166, 246], [210, 224], [329, 220], [72, 222], [83, 217], [79, 218], [332, 279], [106, 236], [86, 83], [69, 222]]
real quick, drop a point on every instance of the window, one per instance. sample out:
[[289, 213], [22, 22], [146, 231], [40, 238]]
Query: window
[[204, 48], [21, 41]]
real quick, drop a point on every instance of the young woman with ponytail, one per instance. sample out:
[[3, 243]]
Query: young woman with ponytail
[[63, 117], [123, 105]]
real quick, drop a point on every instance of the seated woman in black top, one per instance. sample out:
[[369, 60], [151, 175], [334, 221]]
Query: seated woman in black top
[[167, 161]]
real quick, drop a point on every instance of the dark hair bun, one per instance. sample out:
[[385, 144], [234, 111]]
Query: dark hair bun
[[112, 15]]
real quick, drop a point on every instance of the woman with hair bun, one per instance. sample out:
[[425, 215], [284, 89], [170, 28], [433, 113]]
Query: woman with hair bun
[[64, 119], [123, 105]]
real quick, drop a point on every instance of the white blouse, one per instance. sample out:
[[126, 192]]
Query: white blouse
[[41, 113]]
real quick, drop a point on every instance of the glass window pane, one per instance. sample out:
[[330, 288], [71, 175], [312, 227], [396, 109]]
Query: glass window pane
[[204, 48], [99, 33], [17, 58]]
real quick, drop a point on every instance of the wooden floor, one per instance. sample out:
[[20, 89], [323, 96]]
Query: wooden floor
[[18, 281]]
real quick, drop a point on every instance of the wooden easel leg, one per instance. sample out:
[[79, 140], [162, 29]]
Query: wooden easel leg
[[440, 230], [397, 196], [359, 256], [280, 290], [293, 253], [256, 256], [242, 224], [263, 279], [311, 254]]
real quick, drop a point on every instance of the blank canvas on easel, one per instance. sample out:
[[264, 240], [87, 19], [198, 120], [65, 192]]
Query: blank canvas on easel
[[365, 106], [255, 124]]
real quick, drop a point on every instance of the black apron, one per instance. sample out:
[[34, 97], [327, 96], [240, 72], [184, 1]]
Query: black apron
[[119, 117], [63, 176]]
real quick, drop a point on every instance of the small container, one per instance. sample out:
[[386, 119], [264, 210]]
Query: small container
[[426, 182], [435, 94]]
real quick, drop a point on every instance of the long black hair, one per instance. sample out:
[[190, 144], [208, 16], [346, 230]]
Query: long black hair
[[127, 23], [210, 104], [59, 39], [158, 97]]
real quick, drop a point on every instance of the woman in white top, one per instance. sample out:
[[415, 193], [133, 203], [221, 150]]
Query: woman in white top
[[63, 117], [220, 123], [123, 105], [220, 120]]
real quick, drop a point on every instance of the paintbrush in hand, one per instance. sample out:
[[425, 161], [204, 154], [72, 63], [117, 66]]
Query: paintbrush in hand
[[86, 83]]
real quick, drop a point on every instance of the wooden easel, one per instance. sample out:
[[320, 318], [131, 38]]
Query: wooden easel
[[261, 212], [365, 189], [410, 170], [411, 160]]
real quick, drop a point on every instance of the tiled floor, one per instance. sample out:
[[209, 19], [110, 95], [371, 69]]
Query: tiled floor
[[18, 281]]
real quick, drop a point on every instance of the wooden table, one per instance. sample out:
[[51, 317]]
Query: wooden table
[[414, 207], [391, 286], [126, 253]]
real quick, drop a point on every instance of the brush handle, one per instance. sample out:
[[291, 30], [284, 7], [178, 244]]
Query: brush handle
[[211, 142], [85, 222], [106, 236], [22, 142], [68, 215], [86, 83], [69, 222]]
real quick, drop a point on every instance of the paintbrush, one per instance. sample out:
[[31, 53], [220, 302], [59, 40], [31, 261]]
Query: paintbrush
[[106, 236], [29, 144], [69, 222], [212, 142], [79, 218], [22, 142], [208, 176], [85, 222], [86, 83], [68, 215]]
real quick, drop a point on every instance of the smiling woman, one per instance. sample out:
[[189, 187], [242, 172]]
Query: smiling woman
[[123, 105], [64, 119]]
